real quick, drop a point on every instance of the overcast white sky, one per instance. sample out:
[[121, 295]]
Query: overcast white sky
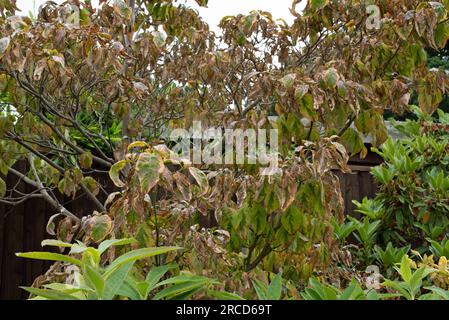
[[216, 10]]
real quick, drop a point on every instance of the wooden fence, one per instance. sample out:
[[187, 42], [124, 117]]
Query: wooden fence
[[22, 227]]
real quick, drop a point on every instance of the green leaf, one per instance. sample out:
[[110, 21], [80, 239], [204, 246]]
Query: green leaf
[[419, 55], [84, 17], [101, 226], [148, 168], [49, 294], [301, 91], [331, 78], [318, 291], [114, 173], [306, 107], [223, 295], [258, 218], [55, 243], [443, 117], [180, 291], [155, 275], [137, 255], [137, 144], [130, 291], [318, 4], [399, 287], [50, 257], [115, 280], [352, 141], [94, 279], [105, 245], [200, 177], [364, 122], [78, 247], [275, 288], [442, 35], [86, 160], [288, 80], [182, 287], [291, 219], [261, 289], [353, 292], [405, 269], [443, 294], [183, 278], [91, 184], [417, 278]]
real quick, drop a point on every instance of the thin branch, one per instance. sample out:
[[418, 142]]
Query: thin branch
[[15, 202], [347, 125], [47, 196]]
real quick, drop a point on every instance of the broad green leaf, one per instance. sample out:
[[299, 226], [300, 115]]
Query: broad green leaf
[[105, 245], [443, 117], [352, 141], [114, 173], [275, 288], [148, 168], [261, 289], [95, 279], [183, 286], [306, 107], [353, 292], [400, 287], [363, 122], [442, 34], [291, 219], [183, 278], [86, 160], [180, 291], [417, 278], [50, 257], [100, 227], [116, 279], [300, 91], [49, 294], [443, 294], [331, 78], [419, 55], [77, 292], [319, 291], [137, 255], [223, 295], [78, 247], [92, 185], [155, 275], [200, 177], [130, 291], [405, 269]]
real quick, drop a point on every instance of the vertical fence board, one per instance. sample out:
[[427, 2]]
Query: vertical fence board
[[12, 267], [2, 242]]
